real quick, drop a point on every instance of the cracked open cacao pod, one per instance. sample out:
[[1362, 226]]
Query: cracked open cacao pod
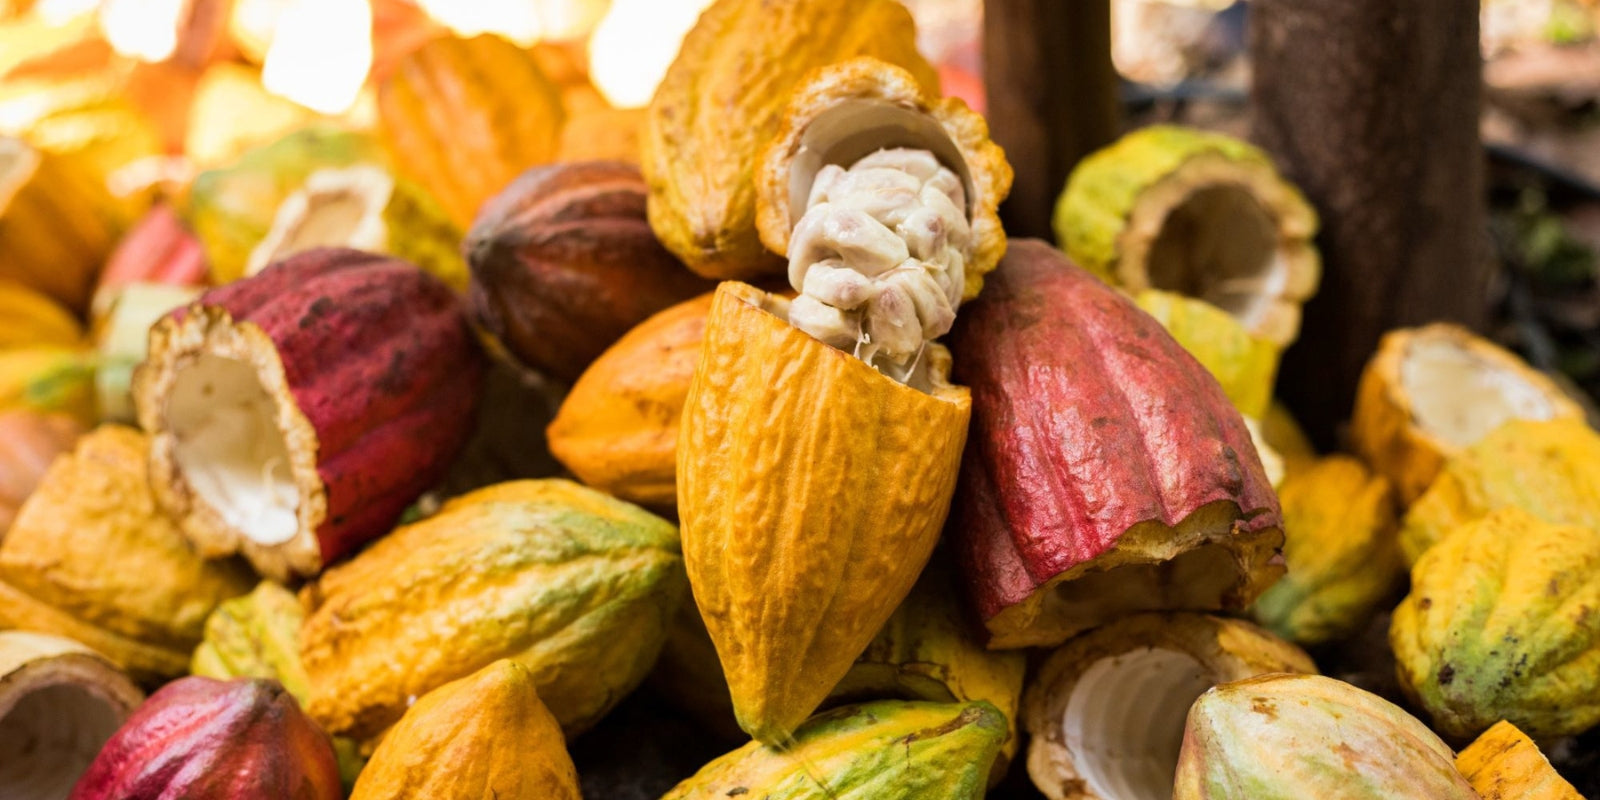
[[721, 103], [887, 750], [200, 737], [91, 557], [577, 586], [486, 735], [294, 414], [811, 489], [564, 263], [1286, 737], [1504, 764], [1105, 712], [1148, 495]]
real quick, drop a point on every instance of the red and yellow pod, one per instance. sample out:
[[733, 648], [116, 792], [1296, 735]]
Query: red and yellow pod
[[296, 413]]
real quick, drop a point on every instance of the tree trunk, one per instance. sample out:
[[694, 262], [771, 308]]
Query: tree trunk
[[1052, 97], [1372, 107]]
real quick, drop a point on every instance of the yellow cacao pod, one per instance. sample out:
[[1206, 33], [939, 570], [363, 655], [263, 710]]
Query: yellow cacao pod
[[58, 223], [1504, 764]]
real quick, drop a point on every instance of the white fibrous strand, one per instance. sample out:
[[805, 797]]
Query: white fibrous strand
[[879, 257]]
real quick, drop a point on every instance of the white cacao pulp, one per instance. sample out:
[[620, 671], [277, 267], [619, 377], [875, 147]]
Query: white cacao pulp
[[879, 257]]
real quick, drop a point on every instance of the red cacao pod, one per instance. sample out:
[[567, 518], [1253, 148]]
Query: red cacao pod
[[1105, 471], [294, 414], [564, 262], [202, 738], [158, 249]]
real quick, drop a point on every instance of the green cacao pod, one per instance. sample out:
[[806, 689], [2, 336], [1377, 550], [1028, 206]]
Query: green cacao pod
[[888, 750]]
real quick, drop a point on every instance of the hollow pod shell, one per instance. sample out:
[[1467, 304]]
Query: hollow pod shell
[[294, 414], [59, 703], [845, 111], [811, 490], [1105, 711], [485, 735], [1106, 471], [1198, 213], [1286, 737], [722, 100], [1504, 764], [1429, 392]]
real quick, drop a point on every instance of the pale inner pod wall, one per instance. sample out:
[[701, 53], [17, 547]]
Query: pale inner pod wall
[[49, 738], [230, 449], [1221, 246], [1460, 397], [1124, 721]]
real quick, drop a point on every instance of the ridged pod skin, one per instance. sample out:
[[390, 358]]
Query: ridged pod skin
[[35, 319], [1134, 213], [1396, 426], [889, 107], [59, 703], [485, 735], [465, 116], [1104, 712], [1503, 622], [91, 557], [1339, 545], [158, 249], [1549, 469], [48, 379], [1244, 364], [617, 429], [811, 489], [1504, 764], [58, 222], [29, 442], [231, 208], [1148, 495], [372, 377], [575, 585], [1287, 737], [887, 750], [721, 102], [564, 263], [930, 651], [199, 737]]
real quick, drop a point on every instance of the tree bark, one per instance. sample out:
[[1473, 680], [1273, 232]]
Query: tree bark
[[1052, 97], [1372, 107]]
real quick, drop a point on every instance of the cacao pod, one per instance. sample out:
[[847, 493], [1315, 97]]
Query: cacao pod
[[91, 558], [843, 112], [928, 651], [564, 263], [1430, 392], [485, 735], [49, 379], [811, 489], [465, 116], [1504, 764], [888, 750], [33, 319], [603, 133], [1549, 469], [1285, 737], [1339, 545], [29, 442], [233, 112], [1244, 364], [1198, 213], [58, 223], [294, 414], [1501, 624], [231, 208], [88, 115], [157, 250], [1148, 496], [59, 702], [122, 340], [1106, 711], [699, 150], [363, 207], [573, 584], [199, 737], [617, 430]]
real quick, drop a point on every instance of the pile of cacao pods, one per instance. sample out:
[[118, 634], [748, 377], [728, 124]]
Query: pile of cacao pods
[[396, 459]]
